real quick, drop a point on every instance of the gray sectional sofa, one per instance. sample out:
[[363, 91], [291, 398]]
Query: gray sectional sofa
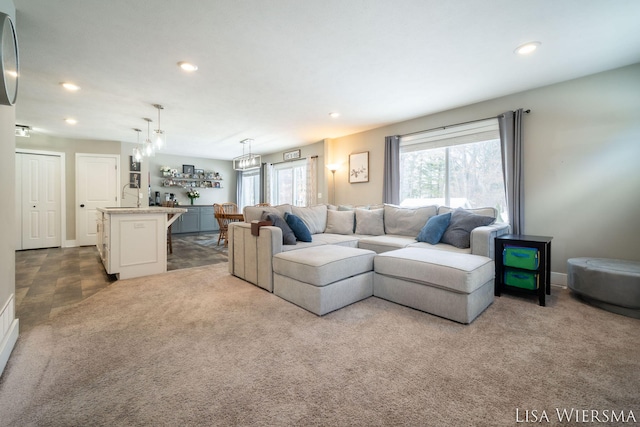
[[448, 280]]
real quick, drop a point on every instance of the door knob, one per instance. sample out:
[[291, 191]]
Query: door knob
[[82, 205]]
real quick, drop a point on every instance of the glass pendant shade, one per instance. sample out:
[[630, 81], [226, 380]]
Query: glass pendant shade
[[159, 139], [137, 154], [148, 150], [159, 136]]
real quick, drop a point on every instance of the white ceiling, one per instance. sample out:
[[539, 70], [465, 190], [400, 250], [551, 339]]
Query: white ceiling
[[272, 70]]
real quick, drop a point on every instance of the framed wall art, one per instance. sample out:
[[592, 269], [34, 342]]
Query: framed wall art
[[359, 167], [134, 180], [133, 165], [188, 169], [291, 155]]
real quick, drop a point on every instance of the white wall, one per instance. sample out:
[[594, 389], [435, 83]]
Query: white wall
[[581, 156]]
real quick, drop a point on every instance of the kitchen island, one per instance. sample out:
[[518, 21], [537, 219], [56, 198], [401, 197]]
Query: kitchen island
[[132, 242]]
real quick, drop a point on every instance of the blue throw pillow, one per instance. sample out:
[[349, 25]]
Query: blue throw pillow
[[434, 228], [288, 238], [299, 228]]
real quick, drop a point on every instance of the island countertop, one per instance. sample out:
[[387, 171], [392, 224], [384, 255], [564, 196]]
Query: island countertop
[[142, 210]]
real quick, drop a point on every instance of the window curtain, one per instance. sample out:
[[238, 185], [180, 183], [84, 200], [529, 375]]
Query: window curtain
[[268, 179], [239, 188], [312, 181], [391, 183], [263, 184], [511, 146]]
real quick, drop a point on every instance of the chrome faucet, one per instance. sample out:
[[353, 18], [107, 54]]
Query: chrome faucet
[[139, 195]]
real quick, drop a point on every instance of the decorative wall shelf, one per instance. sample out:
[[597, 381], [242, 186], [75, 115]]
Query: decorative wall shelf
[[196, 180]]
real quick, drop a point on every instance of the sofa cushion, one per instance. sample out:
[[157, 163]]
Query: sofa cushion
[[322, 265], [315, 217], [385, 242], [298, 227], [350, 240], [288, 238], [434, 228], [340, 222], [254, 213], [407, 221], [458, 232], [458, 272], [370, 222], [487, 211]]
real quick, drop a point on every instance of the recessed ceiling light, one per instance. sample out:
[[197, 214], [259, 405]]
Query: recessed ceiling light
[[334, 115], [70, 86], [527, 48], [71, 121], [187, 66]]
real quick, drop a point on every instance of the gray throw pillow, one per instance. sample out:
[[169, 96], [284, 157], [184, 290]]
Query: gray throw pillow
[[462, 223], [339, 222], [407, 221], [370, 222], [288, 238], [314, 217]]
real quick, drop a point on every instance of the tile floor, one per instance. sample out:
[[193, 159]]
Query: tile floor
[[51, 280]]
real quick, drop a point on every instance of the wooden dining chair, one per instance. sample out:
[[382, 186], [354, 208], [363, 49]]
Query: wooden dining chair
[[263, 204], [169, 204], [219, 210]]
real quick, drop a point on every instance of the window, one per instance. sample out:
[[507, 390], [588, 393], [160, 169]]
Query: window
[[250, 193], [289, 183], [459, 166]]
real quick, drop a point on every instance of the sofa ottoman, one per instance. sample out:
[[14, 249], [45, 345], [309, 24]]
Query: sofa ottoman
[[455, 286], [324, 278]]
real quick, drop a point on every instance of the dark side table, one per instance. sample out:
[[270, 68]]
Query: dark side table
[[543, 245]]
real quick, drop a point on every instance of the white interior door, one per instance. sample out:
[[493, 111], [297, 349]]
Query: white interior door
[[97, 182], [38, 191]]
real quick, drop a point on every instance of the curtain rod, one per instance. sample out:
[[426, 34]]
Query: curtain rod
[[457, 124], [293, 160]]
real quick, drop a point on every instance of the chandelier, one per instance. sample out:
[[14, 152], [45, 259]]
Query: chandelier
[[247, 161]]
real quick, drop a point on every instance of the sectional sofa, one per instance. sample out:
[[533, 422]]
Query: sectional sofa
[[376, 247]]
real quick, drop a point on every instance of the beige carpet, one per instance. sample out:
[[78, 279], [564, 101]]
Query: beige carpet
[[199, 347]]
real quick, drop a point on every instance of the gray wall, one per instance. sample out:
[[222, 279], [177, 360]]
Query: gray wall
[[581, 151]]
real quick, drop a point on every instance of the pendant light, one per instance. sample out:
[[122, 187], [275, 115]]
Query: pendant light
[[247, 161], [148, 148], [137, 150], [159, 137]]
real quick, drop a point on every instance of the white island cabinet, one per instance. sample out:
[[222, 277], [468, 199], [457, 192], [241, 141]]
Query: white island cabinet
[[132, 242]]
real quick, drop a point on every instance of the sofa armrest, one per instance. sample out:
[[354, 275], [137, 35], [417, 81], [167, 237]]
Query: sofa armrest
[[482, 238], [250, 256]]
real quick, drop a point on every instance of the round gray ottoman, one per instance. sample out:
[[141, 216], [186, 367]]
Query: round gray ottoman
[[610, 284]]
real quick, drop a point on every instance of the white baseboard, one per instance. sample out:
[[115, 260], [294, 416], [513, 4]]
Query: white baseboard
[[70, 244], [559, 279], [9, 331]]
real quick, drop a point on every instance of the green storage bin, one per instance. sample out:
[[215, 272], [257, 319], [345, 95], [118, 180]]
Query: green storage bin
[[519, 257], [521, 279]]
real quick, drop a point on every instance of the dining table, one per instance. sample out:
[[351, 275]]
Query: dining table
[[224, 219]]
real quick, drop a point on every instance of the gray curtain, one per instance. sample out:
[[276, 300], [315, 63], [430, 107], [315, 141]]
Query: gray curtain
[[263, 184], [511, 146], [391, 184], [239, 188]]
